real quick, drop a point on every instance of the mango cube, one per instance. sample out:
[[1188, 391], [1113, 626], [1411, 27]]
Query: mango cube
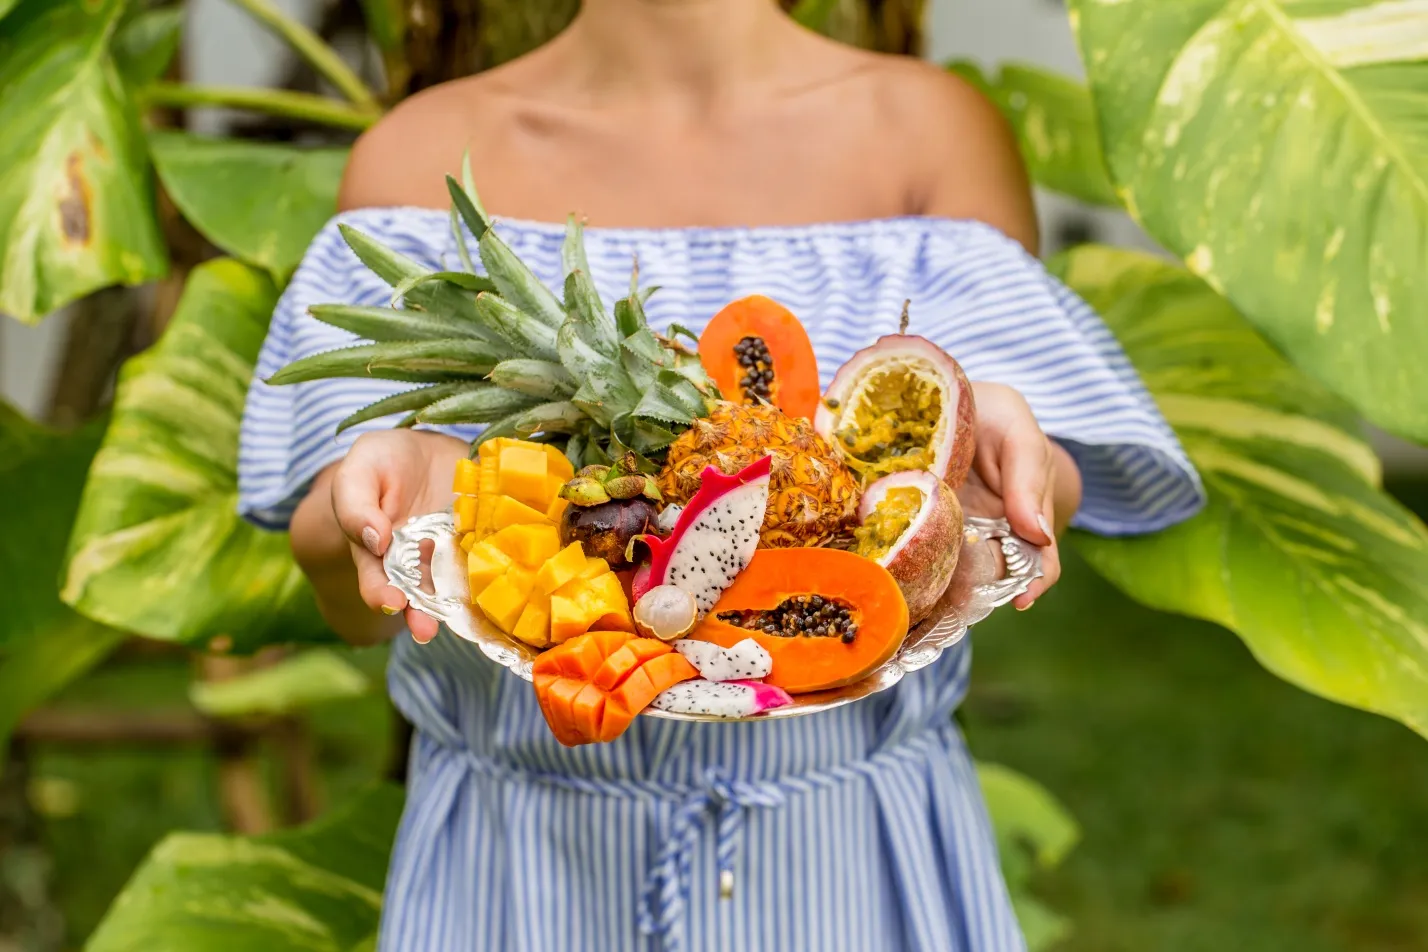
[[504, 511], [594, 566], [610, 594], [582, 604], [484, 564], [530, 546], [522, 475], [533, 627], [556, 509], [468, 478], [558, 465], [465, 511], [561, 568], [503, 601], [468, 541]]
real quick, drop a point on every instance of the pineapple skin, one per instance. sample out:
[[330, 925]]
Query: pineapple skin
[[813, 496]]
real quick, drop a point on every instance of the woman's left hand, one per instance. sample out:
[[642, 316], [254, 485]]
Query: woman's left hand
[[1019, 473]]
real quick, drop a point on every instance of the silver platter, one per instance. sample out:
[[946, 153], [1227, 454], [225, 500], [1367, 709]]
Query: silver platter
[[982, 582]]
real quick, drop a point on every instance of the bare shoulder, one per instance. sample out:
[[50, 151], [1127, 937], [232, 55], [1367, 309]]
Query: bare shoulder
[[404, 159], [963, 157]]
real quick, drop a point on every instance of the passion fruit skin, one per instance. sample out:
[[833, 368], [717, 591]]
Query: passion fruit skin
[[953, 455], [924, 559]]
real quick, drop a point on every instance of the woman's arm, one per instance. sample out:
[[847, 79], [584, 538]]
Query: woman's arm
[[343, 526]]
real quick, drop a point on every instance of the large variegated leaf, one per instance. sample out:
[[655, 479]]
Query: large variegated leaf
[[44, 644], [158, 547], [317, 888], [1034, 832], [1055, 127], [1323, 575], [1281, 147], [292, 684], [76, 202], [287, 193]]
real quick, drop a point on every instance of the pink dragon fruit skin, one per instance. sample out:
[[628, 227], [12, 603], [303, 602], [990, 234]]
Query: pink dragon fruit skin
[[715, 537], [731, 699]]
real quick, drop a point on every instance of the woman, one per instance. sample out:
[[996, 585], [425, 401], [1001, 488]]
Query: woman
[[732, 153]]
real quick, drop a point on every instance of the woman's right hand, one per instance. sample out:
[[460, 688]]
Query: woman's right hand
[[386, 478]]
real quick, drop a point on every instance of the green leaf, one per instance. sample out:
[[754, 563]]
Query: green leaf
[[587, 313], [524, 334], [408, 401], [1298, 552], [385, 323], [516, 282], [147, 42], [664, 405], [417, 361], [484, 405], [462, 279], [287, 194], [1280, 148], [1055, 126], [76, 202], [386, 23], [539, 378], [464, 205], [44, 644], [556, 417], [292, 684], [1033, 832], [315, 888], [158, 547]]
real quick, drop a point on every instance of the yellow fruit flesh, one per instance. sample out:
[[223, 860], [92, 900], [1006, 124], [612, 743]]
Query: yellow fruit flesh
[[504, 600], [484, 564], [468, 478], [464, 509], [560, 568], [888, 428], [521, 475], [888, 522], [530, 545]]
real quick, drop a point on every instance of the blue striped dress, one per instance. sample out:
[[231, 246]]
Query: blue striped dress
[[858, 829]]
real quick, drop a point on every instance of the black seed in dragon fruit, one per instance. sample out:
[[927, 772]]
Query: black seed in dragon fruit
[[746, 661], [714, 538]]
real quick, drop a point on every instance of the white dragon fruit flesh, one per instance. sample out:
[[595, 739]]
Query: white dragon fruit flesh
[[714, 539], [746, 661], [721, 699]]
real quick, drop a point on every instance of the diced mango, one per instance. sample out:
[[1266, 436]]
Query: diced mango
[[468, 478], [568, 618], [503, 601], [556, 509], [506, 511], [558, 464], [465, 511], [584, 604], [522, 475], [533, 627], [553, 483], [523, 579], [484, 564], [561, 568], [488, 479], [594, 566], [468, 541], [529, 545], [609, 593]]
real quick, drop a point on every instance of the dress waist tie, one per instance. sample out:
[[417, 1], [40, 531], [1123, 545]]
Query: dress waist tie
[[666, 886]]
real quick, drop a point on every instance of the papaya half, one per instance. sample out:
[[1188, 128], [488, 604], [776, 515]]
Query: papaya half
[[756, 350], [828, 617]]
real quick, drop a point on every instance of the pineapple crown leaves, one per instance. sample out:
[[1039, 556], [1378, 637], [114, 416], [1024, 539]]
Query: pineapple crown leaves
[[503, 350]]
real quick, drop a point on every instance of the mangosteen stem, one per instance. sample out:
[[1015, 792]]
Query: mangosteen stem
[[902, 322]]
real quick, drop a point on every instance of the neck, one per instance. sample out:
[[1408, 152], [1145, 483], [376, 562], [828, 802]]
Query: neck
[[690, 51]]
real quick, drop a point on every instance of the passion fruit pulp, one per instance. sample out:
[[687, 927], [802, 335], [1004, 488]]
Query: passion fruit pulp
[[911, 524], [898, 406]]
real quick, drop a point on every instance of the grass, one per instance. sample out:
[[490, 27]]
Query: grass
[[1221, 808]]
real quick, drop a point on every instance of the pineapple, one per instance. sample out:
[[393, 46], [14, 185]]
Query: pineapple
[[501, 349], [813, 496]]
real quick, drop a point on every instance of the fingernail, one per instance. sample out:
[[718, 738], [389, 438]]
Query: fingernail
[[1022, 608], [389, 610], [371, 540], [1045, 526]]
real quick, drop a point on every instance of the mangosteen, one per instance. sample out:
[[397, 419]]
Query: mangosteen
[[605, 530]]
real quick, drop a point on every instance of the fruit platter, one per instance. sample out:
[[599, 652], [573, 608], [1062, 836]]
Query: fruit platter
[[669, 523]]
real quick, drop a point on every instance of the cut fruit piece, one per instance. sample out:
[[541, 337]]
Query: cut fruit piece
[[503, 511], [614, 721], [582, 604], [530, 545], [665, 612], [594, 566], [557, 465], [912, 526], [625, 659], [533, 627], [565, 565], [468, 478], [464, 510], [564, 729], [721, 698], [587, 710], [901, 404], [489, 476], [650, 678], [756, 351], [864, 623], [609, 593], [504, 600], [468, 541], [523, 476], [484, 564]]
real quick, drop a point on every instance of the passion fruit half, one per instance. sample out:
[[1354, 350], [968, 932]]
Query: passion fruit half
[[911, 525], [902, 404]]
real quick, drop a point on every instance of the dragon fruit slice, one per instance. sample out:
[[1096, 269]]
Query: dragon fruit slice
[[715, 537], [746, 661], [726, 699]]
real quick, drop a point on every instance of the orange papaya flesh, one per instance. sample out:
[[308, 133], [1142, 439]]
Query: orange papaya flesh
[[806, 663], [586, 711], [626, 659], [782, 347], [591, 687], [652, 677], [614, 720]]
